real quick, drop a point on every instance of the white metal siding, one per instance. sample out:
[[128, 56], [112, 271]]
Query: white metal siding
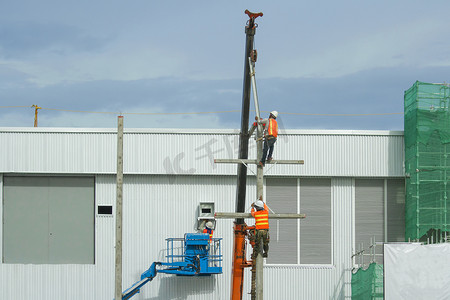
[[1, 223], [160, 205], [157, 207], [325, 153], [342, 220]]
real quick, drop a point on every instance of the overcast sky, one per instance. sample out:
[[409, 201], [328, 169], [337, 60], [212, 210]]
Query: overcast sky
[[315, 58]]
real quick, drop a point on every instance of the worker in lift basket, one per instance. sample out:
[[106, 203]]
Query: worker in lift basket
[[270, 136], [260, 212], [209, 226]]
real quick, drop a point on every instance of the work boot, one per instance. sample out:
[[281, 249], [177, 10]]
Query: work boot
[[269, 159], [265, 255]]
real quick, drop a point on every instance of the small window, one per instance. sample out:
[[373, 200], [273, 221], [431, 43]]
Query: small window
[[206, 210], [104, 210]]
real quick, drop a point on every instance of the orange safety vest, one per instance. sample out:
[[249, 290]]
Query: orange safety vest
[[210, 231], [261, 218], [272, 129]]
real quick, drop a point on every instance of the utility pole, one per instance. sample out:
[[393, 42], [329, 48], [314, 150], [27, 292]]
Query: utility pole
[[259, 131], [257, 264], [36, 108], [258, 261], [257, 268], [258, 292], [119, 198], [240, 228]]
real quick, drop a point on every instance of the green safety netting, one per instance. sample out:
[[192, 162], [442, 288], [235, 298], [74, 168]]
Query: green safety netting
[[427, 159], [368, 283]]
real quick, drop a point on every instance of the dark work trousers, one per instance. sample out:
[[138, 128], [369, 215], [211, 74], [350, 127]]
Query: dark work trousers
[[262, 235], [268, 146]]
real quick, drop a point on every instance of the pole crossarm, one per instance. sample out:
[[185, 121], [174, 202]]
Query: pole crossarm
[[226, 215], [253, 161]]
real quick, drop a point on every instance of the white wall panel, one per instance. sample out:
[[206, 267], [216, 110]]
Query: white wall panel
[[1, 223], [342, 194], [160, 207], [293, 283], [105, 228], [415, 271], [171, 175], [326, 153]]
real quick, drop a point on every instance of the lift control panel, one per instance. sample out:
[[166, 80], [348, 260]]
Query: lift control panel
[[206, 213]]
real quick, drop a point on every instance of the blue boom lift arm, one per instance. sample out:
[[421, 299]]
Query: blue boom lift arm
[[147, 276], [201, 256]]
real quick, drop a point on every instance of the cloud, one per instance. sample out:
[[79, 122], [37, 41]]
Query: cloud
[[49, 118], [163, 95], [11, 78], [379, 91], [173, 95], [24, 40], [15, 117], [120, 60], [402, 44], [49, 53]]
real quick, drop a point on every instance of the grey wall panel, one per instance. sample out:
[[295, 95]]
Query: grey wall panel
[[326, 153], [25, 220], [315, 230], [395, 210], [282, 198], [48, 219], [369, 212], [71, 224]]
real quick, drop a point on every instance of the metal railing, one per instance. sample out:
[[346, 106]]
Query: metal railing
[[175, 251]]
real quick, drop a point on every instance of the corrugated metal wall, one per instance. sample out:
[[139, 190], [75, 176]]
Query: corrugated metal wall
[[160, 207], [327, 153], [161, 198]]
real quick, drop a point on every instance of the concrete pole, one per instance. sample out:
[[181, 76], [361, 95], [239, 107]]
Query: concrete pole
[[259, 192], [258, 261], [119, 195]]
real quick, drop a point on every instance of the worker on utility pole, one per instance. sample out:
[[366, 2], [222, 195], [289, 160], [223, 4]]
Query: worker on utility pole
[[260, 212], [209, 226], [270, 136]]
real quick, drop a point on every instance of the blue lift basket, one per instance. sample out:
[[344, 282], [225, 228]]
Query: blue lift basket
[[194, 255]]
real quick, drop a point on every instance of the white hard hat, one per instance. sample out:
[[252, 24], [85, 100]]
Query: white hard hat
[[209, 224], [274, 113], [259, 203]]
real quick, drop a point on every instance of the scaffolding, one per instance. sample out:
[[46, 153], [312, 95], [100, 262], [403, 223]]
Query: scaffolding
[[427, 160], [367, 274], [368, 283]]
